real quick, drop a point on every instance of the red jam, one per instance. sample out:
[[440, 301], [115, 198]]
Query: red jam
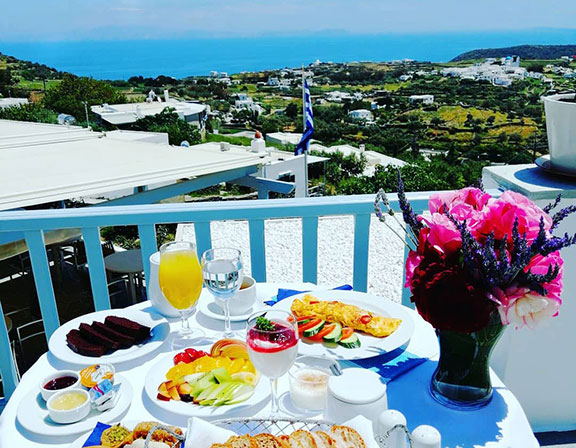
[[61, 382], [282, 338]]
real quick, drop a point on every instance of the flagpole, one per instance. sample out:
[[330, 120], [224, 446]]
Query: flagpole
[[304, 130]]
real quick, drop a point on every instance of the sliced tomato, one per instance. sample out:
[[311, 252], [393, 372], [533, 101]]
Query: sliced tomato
[[347, 332], [304, 319], [366, 319], [308, 325], [325, 330]]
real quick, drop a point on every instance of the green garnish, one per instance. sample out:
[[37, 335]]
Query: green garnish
[[264, 324]]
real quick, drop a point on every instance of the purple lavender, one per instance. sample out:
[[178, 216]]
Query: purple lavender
[[408, 214], [561, 215], [552, 205]]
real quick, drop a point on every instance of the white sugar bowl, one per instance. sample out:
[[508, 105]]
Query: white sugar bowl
[[355, 392]]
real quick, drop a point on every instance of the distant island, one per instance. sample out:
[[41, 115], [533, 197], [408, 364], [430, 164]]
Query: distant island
[[547, 52]]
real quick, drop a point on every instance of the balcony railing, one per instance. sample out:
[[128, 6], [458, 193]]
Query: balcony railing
[[146, 217]]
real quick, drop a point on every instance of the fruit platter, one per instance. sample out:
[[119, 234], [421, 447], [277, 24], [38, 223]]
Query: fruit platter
[[206, 381]]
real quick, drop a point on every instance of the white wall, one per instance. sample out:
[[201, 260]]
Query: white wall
[[539, 365]]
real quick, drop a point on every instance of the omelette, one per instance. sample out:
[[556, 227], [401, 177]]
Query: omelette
[[346, 315]]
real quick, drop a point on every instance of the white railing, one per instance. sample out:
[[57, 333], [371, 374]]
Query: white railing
[[146, 217]]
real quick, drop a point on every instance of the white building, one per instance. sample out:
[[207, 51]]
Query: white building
[[405, 77], [121, 114], [338, 97], [361, 115], [244, 102], [12, 102], [503, 81], [423, 99], [273, 82], [284, 138], [499, 75], [373, 158]]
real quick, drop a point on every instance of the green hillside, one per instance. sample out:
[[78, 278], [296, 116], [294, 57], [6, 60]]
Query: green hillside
[[524, 51]]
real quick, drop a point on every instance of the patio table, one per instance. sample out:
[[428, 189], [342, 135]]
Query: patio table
[[126, 262], [501, 424]]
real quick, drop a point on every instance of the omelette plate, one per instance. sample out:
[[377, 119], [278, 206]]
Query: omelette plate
[[370, 345]]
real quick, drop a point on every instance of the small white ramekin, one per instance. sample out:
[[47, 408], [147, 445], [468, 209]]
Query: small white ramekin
[[46, 394], [69, 415]]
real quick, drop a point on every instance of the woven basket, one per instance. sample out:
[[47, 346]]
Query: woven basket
[[285, 426]]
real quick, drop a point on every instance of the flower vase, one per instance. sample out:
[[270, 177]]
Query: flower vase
[[462, 378]]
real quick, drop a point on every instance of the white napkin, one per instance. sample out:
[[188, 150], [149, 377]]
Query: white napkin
[[365, 428], [204, 434]]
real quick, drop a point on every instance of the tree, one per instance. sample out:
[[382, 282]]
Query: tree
[[28, 112], [436, 121], [5, 81], [291, 110], [68, 96], [271, 124], [168, 121]]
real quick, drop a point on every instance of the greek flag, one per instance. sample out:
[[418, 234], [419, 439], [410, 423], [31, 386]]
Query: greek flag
[[309, 128]]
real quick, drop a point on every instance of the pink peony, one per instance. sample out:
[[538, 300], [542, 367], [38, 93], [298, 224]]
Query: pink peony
[[442, 234], [500, 215], [439, 235], [412, 262], [521, 306], [466, 203]]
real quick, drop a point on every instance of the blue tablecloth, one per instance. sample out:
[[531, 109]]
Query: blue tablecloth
[[409, 394]]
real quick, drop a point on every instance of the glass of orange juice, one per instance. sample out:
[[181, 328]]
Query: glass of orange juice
[[180, 278]]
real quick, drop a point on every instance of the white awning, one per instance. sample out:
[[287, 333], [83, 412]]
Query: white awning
[[39, 168]]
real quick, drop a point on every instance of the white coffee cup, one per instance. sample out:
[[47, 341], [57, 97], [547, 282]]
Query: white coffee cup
[[243, 300]]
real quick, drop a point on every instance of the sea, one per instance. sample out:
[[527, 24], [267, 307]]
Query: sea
[[121, 59]]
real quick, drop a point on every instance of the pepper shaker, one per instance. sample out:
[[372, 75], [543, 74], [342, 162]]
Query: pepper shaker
[[426, 436]]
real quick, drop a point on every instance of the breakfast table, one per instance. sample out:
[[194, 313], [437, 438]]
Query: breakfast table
[[502, 423]]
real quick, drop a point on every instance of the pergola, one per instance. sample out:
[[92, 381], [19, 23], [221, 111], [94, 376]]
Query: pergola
[[42, 164]]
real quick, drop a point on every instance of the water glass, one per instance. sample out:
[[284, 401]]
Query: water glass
[[223, 274]]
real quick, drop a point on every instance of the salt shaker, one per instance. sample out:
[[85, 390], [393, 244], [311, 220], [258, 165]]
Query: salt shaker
[[426, 436], [386, 421]]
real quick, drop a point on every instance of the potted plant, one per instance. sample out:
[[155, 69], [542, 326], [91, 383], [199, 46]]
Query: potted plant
[[476, 265], [560, 126]]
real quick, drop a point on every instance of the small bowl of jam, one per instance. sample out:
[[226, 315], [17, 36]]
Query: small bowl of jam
[[58, 381]]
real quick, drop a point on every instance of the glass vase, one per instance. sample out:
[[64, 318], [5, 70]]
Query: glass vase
[[462, 378]]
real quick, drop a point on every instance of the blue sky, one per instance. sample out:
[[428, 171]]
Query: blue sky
[[38, 20]]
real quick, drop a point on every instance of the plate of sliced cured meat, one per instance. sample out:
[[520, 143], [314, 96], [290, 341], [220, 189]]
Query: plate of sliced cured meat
[[113, 336]]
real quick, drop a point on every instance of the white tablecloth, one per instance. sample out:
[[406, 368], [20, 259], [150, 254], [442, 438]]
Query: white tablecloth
[[515, 430]]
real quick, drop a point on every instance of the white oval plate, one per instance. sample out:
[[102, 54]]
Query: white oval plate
[[160, 330], [157, 375], [32, 414], [129, 424], [211, 309], [370, 345]]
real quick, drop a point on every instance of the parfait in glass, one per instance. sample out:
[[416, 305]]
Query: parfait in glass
[[272, 339]]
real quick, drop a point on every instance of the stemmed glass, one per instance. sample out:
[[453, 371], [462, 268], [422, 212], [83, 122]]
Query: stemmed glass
[[180, 279], [222, 271], [272, 339]]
